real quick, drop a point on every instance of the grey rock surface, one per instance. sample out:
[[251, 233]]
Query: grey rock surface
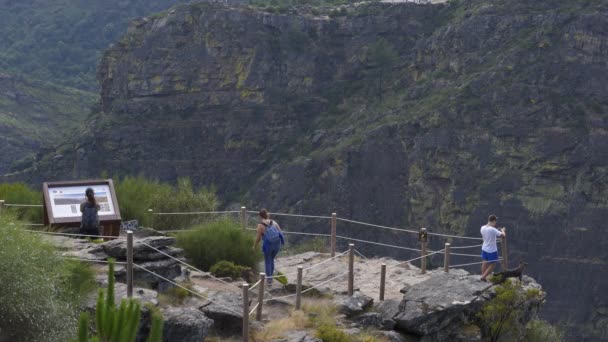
[[185, 325], [141, 252], [445, 302], [352, 306]]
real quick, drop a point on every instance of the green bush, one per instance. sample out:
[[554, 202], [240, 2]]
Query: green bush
[[212, 242], [20, 193], [329, 333], [540, 331], [226, 269], [38, 294], [137, 194]]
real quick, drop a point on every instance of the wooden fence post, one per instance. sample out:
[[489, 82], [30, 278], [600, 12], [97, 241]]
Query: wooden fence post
[[258, 313], [382, 280], [243, 218], [505, 259], [333, 234], [1, 206], [299, 289], [446, 258], [423, 240], [129, 263], [245, 312], [151, 213], [351, 268]]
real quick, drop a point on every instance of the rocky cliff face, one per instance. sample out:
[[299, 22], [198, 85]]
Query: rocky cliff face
[[400, 114]]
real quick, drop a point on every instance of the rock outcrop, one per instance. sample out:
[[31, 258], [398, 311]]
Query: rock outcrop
[[442, 305]]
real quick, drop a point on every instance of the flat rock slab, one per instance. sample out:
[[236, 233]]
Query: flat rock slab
[[226, 310], [141, 251], [441, 301], [355, 305]]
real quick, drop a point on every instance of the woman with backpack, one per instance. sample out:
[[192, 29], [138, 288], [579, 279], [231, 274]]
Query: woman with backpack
[[272, 239], [89, 224]]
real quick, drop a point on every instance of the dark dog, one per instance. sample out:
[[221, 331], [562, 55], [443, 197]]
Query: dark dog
[[500, 277]]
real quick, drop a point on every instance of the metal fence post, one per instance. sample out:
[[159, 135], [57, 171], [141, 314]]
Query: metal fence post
[[129, 263], [245, 312], [299, 289], [258, 313], [243, 218], [351, 268], [333, 234], [382, 280], [446, 258]]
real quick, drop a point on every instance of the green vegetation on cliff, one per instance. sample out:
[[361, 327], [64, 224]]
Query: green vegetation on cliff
[[60, 41]]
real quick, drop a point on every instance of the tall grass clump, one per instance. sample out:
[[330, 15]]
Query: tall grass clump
[[221, 240], [39, 292], [21, 193], [137, 194]]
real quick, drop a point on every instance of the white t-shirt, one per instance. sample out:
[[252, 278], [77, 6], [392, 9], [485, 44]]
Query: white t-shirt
[[489, 235]]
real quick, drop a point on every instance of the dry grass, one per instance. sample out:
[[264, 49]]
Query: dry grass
[[315, 312]]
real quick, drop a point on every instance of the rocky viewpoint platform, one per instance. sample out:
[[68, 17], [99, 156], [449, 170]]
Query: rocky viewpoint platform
[[435, 306]]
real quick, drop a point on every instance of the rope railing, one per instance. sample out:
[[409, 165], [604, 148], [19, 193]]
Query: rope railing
[[254, 285], [467, 255], [75, 235], [198, 212], [465, 247], [377, 225], [325, 282], [417, 258], [23, 205], [377, 243], [185, 288], [472, 263], [255, 307], [190, 266]]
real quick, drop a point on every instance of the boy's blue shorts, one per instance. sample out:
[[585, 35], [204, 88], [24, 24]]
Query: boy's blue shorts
[[489, 257]]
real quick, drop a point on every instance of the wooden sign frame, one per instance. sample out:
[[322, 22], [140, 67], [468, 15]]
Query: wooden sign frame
[[110, 222]]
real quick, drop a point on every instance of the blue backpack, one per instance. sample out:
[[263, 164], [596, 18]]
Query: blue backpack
[[272, 233]]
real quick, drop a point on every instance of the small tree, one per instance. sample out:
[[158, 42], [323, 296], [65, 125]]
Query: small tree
[[117, 324], [381, 58]]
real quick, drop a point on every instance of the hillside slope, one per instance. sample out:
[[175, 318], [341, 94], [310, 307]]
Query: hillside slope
[[399, 114]]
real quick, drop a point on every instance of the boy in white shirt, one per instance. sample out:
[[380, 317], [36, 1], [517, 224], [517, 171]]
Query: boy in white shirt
[[489, 250]]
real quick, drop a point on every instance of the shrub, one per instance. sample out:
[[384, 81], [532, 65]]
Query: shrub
[[329, 333], [316, 244], [20, 193], [39, 295], [226, 269], [212, 242], [137, 194], [540, 331]]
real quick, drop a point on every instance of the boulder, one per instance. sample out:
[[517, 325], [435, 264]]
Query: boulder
[[141, 252], [444, 303], [299, 336], [374, 320], [355, 305], [225, 309], [185, 325], [168, 269]]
